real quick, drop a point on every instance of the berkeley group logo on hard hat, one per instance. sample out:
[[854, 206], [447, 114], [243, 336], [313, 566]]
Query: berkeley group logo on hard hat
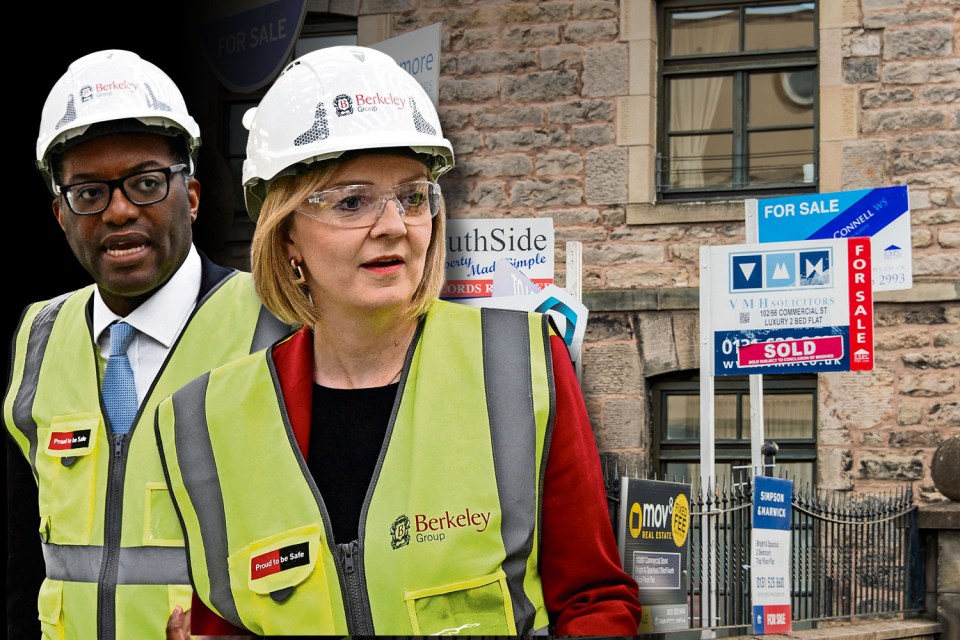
[[343, 104], [370, 102], [89, 92]]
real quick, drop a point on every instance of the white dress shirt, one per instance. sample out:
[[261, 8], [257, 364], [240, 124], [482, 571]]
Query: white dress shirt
[[158, 322]]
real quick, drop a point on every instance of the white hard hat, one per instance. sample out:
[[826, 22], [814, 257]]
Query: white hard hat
[[109, 86], [331, 101]]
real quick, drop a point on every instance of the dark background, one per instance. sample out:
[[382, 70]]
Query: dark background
[[37, 262]]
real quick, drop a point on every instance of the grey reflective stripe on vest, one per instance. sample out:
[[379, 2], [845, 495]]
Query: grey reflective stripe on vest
[[513, 431], [200, 478], [269, 330], [40, 331], [137, 565]]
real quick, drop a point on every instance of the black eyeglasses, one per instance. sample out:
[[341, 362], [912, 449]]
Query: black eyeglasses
[[140, 188]]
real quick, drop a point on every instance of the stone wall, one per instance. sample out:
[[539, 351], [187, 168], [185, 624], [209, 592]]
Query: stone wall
[[882, 426], [551, 107]]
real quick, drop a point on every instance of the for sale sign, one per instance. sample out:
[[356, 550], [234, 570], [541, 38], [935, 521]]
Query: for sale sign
[[789, 307], [770, 554], [475, 246], [882, 214], [654, 540]]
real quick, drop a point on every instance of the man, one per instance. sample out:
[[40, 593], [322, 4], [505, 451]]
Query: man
[[117, 149]]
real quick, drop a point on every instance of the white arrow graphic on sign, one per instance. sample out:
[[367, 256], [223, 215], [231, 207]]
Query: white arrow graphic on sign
[[747, 269]]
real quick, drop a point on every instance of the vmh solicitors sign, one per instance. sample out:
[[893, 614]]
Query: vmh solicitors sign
[[789, 307]]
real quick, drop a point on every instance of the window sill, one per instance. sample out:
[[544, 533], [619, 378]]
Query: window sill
[[688, 212]]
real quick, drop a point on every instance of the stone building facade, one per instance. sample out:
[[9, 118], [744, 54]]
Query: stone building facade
[[551, 107]]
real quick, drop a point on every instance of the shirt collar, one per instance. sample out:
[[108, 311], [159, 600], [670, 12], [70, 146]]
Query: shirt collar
[[164, 313]]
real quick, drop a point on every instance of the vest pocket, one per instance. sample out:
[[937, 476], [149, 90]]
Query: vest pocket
[[49, 608], [275, 565], [67, 466], [475, 607], [278, 584], [161, 526]]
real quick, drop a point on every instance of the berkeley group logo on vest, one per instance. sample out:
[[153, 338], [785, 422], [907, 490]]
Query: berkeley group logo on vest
[[271, 562], [434, 528]]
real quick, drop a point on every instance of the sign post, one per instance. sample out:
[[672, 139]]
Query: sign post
[[654, 549], [881, 214], [770, 555], [790, 307], [708, 459], [784, 307]]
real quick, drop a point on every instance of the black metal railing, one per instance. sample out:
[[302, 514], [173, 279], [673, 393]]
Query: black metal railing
[[853, 555], [722, 176]]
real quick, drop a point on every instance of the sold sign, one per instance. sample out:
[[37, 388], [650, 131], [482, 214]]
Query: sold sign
[[784, 351]]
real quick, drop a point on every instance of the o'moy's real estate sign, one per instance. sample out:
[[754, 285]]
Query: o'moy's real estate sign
[[788, 307]]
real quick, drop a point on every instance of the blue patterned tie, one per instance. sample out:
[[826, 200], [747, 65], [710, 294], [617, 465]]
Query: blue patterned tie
[[119, 390]]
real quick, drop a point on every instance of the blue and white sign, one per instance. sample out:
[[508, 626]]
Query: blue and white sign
[[249, 41], [770, 554], [419, 53], [787, 307], [881, 214]]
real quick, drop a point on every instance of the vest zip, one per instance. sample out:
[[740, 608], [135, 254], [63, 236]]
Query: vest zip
[[107, 589], [356, 601]]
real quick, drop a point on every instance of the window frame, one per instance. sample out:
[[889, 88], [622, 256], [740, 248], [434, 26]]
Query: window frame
[[738, 450], [738, 66]]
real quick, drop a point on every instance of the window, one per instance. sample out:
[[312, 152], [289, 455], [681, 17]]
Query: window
[[738, 99], [790, 417]]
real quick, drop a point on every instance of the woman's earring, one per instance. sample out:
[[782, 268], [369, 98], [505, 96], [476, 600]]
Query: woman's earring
[[298, 277]]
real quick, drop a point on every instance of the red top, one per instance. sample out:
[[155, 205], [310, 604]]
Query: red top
[[585, 588]]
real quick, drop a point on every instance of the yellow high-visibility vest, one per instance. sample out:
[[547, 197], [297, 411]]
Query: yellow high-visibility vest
[[449, 534], [112, 544]]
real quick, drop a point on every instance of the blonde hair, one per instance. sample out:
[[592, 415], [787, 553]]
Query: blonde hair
[[273, 274]]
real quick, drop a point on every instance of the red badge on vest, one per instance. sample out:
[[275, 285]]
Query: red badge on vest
[[61, 440], [279, 560]]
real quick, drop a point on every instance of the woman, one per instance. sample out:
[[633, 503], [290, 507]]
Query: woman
[[400, 465]]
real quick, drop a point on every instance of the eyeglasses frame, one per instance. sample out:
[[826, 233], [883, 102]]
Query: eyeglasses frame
[[112, 186], [383, 203]]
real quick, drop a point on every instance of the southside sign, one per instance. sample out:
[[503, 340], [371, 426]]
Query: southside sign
[[788, 307]]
